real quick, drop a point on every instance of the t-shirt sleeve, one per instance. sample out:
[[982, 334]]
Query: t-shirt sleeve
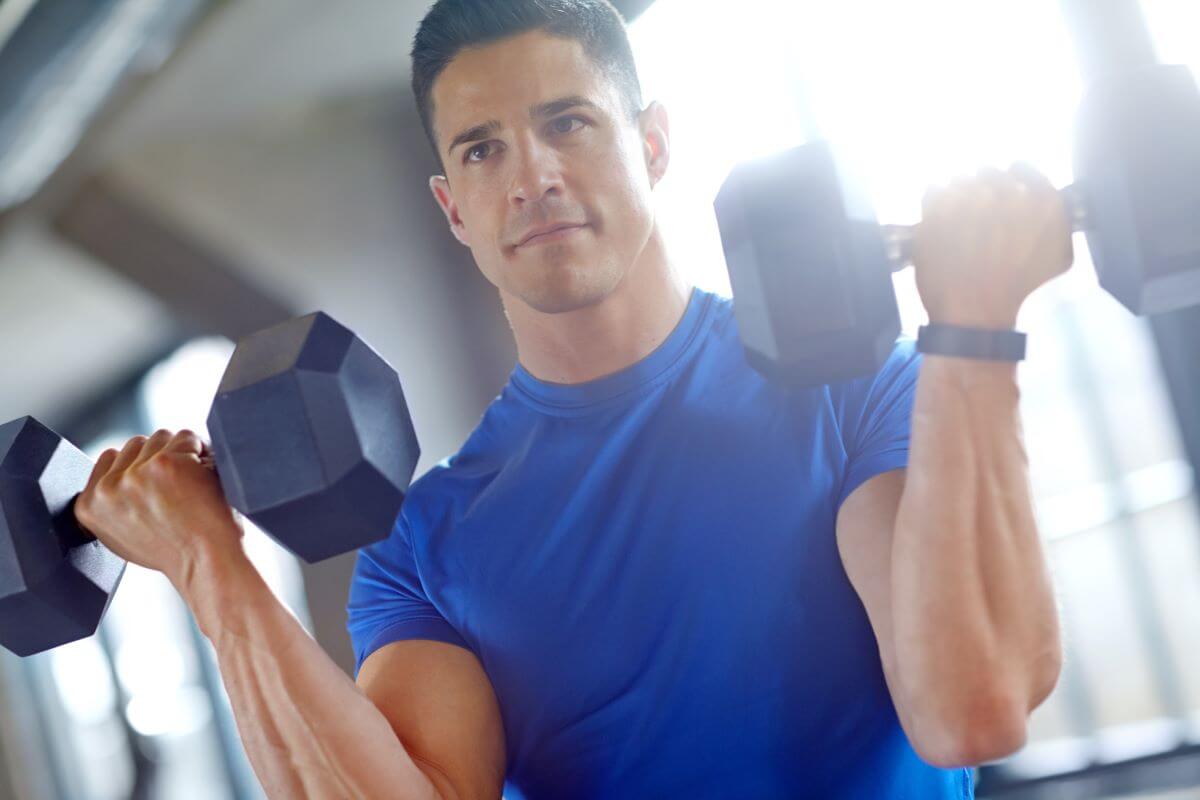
[[875, 417], [388, 601]]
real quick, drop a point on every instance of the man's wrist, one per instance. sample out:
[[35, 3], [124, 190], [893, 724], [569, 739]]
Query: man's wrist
[[971, 343], [211, 580], [1000, 317], [999, 377]]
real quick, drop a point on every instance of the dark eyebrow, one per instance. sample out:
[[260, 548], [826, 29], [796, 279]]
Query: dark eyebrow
[[489, 128], [560, 105]]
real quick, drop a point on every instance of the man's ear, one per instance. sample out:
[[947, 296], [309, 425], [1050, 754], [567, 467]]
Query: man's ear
[[440, 186], [656, 140]]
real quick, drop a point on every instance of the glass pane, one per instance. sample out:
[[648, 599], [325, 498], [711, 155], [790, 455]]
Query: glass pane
[[1052, 719], [1100, 627], [1170, 536]]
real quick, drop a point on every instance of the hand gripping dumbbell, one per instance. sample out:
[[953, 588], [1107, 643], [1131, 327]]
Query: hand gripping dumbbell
[[312, 442], [811, 267]]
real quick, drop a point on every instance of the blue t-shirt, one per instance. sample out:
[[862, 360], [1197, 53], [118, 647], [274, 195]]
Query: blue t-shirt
[[646, 566]]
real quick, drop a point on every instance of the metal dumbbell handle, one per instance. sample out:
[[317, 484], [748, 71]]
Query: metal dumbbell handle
[[899, 238]]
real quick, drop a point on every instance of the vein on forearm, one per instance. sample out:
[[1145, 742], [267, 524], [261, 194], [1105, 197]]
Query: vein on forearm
[[282, 726], [971, 593], [307, 729]]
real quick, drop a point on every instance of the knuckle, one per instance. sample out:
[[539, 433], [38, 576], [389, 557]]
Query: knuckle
[[161, 467], [87, 504], [84, 516], [155, 465]]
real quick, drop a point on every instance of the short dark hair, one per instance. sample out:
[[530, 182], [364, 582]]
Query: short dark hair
[[452, 25]]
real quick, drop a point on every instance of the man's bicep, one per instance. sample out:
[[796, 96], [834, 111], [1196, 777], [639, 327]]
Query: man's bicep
[[443, 709]]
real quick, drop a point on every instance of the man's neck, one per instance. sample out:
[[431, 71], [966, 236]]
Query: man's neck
[[603, 338]]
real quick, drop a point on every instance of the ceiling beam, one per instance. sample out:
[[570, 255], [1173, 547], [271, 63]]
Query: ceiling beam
[[61, 64], [201, 286]]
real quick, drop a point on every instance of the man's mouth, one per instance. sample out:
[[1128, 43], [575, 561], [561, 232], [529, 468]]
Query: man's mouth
[[552, 233]]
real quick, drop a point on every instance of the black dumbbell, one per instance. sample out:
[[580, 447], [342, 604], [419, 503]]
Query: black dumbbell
[[811, 267], [312, 442]]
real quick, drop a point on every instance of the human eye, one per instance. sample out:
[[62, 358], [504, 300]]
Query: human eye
[[467, 155], [557, 128]]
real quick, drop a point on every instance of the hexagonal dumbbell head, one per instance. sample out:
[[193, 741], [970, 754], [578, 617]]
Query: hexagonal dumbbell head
[[812, 287], [55, 581], [1137, 158], [312, 437]]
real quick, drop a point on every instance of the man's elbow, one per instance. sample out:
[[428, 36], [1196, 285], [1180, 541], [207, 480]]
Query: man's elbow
[[1048, 671], [990, 723], [991, 727]]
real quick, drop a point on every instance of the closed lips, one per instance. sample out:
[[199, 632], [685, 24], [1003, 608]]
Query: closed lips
[[547, 229]]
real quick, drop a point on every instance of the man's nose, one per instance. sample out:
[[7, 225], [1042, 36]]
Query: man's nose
[[538, 171]]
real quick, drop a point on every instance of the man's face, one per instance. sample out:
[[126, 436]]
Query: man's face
[[581, 162]]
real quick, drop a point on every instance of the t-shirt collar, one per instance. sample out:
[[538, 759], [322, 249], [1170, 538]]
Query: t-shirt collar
[[580, 396]]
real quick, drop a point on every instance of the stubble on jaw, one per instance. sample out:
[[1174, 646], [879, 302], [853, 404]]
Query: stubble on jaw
[[559, 282], [563, 288]]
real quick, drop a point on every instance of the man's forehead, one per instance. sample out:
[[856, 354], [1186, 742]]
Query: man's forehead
[[510, 76]]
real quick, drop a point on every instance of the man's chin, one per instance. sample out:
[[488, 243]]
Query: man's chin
[[559, 304], [562, 299]]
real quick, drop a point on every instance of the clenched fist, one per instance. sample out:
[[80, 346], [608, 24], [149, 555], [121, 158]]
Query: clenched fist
[[158, 503], [985, 243]]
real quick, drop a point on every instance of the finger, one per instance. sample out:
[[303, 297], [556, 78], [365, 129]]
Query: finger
[[103, 464], [973, 186], [993, 176], [1003, 182], [187, 443], [157, 441], [1029, 175], [1049, 199], [127, 455], [994, 189], [959, 189], [939, 199], [1009, 193], [207, 457]]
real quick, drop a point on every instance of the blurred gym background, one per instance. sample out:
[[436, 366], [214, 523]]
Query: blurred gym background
[[177, 173]]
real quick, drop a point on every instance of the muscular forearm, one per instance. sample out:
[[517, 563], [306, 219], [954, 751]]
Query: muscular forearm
[[975, 622], [308, 730]]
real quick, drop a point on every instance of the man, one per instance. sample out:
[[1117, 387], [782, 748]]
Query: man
[[648, 572]]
